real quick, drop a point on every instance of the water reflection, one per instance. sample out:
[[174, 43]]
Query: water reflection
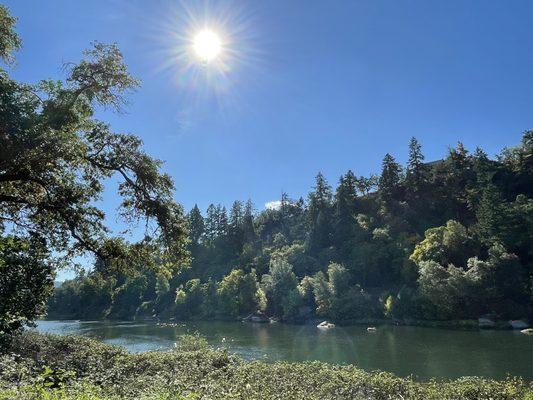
[[423, 352]]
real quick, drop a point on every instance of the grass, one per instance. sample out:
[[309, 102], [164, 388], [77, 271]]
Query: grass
[[62, 367]]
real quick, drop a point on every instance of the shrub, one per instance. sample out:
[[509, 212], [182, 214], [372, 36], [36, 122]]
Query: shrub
[[89, 370]]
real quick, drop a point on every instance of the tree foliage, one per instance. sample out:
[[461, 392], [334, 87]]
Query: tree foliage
[[55, 159], [448, 239]]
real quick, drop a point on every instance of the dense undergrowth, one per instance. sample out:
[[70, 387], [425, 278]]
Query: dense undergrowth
[[69, 367]]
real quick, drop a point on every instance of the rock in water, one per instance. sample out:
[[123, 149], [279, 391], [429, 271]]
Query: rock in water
[[518, 324]]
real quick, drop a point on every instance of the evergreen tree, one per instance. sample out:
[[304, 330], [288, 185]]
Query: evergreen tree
[[211, 224], [345, 204], [235, 228], [248, 222], [196, 225], [416, 169], [319, 214], [490, 214], [222, 221], [460, 178], [389, 181], [236, 215]]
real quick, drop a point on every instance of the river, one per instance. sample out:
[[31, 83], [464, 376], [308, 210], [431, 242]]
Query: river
[[422, 352]]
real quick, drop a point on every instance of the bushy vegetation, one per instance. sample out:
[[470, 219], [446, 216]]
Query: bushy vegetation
[[429, 241], [53, 367]]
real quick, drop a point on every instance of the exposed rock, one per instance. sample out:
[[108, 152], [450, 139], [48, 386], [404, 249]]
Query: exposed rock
[[486, 323], [325, 325], [518, 324], [257, 317]]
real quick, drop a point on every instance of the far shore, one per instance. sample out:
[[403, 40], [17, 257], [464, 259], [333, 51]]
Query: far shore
[[468, 324]]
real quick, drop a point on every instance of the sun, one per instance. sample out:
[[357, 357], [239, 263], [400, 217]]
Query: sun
[[207, 45]]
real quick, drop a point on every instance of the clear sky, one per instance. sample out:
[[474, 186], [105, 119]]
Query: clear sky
[[304, 86]]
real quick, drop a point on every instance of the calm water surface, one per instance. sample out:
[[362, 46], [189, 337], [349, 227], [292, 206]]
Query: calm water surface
[[423, 352]]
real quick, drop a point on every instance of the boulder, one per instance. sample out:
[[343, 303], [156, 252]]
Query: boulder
[[325, 325], [518, 324], [486, 322], [257, 317]]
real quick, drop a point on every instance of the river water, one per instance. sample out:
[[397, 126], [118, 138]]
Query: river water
[[422, 352]]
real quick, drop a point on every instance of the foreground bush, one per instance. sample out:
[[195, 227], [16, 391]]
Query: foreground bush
[[54, 367]]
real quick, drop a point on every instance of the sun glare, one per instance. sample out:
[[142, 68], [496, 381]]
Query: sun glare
[[207, 45]]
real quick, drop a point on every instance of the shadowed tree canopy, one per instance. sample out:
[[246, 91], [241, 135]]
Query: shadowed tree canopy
[[55, 157]]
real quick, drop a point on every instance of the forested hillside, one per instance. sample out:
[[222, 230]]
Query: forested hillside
[[449, 239]]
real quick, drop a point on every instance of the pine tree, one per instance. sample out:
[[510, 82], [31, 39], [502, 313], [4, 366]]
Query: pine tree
[[236, 215], [490, 214], [248, 222], [459, 181], [319, 213], [211, 224], [389, 181], [222, 221], [416, 169], [196, 225], [345, 203], [320, 198], [235, 228]]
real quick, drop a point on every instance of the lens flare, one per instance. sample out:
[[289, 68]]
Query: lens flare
[[211, 52], [207, 45]]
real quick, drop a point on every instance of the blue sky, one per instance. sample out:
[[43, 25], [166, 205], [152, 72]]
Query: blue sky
[[307, 86]]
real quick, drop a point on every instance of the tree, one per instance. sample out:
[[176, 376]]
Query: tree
[[490, 214], [235, 229], [55, 157], [449, 244], [389, 181], [319, 214], [499, 284], [339, 279], [237, 293], [416, 169], [189, 299], [196, 225], [248, 223], [128, 297], [366, 185], [459, 180], [222, 221], [279, 286], [519, 160], [345, 203], [9, 40], [443, 288], [26, 280], [211, 224]]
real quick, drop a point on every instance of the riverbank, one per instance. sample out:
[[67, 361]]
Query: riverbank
[[72, 367], [466, 324]]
